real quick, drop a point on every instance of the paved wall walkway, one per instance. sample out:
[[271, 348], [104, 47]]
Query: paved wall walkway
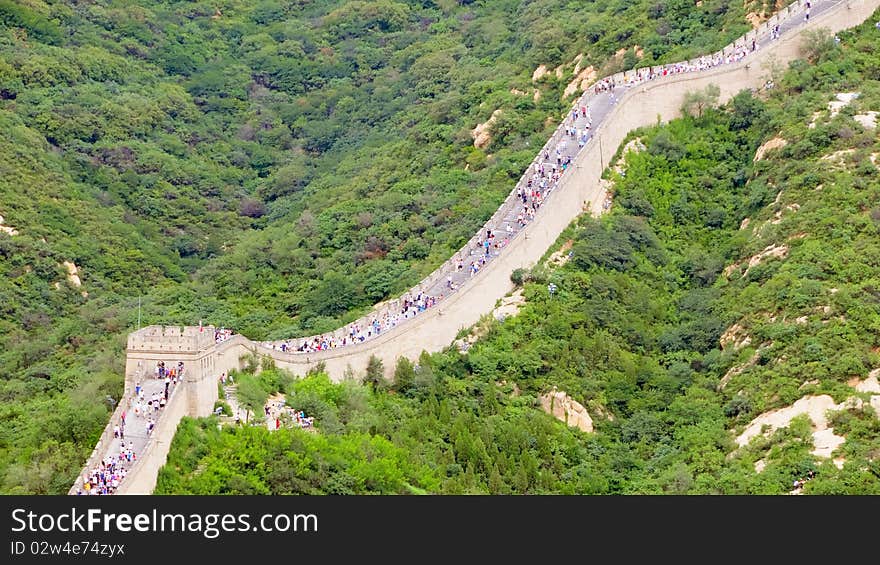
[[637, 103], [455, 276], [640, 103]]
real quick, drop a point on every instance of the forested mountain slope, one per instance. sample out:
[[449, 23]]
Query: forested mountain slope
[[733, 284], [272, 166]]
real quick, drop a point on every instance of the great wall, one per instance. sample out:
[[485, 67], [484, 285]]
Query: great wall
[[579, 191]]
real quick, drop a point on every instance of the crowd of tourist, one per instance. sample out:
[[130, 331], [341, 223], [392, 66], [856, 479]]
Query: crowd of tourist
[[540, 179], [303, 421], [357, 332], [222, 335], [277, 412], [544, 174], [538, 182], [141, 409], [703, 63], [103, 479]]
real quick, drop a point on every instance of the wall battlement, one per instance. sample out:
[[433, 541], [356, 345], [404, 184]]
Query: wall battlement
[[182, 339]]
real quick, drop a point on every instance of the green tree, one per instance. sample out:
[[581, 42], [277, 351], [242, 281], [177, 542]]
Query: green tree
[[404, 375], [375, 375], [697, 102], [817, 45]]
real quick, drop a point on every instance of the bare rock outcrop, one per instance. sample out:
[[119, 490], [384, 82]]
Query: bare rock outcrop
[[755, 19], [566, 409], [825, 441], [509, 306], [577, 62], [72, 273], [777, 251], [482, 136], [561, 256], [539, 73], [634, 145], [868, 120], [738, 369], [581, 81], [775, 143], [870, 384], [841, 100], [838, 158], [736, 336], [7, 229]]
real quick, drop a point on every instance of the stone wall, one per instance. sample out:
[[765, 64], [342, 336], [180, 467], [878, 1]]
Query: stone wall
[[436, 328], [103, 442], [171, 338], [793, 10], [195, 396], [579, 190], [141, 479]]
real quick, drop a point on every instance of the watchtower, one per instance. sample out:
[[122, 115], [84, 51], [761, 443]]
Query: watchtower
[[192, 345]]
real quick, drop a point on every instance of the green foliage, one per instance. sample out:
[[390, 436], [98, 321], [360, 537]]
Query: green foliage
[[284, 166], [224, 408], [404, 375], [612, 244], [745, 111], [466, 438], [251, 363], [14, 15], [250, 394], [375, 375], [635, 334], [254, 389], [818, 45], [697, 102]]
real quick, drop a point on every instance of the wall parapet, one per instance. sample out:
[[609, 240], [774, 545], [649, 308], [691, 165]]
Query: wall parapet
[[101, 446], [392, 305], [184, 339], [146, 468]]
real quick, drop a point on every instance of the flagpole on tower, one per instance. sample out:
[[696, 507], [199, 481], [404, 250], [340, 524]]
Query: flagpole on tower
[[139, 312]]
